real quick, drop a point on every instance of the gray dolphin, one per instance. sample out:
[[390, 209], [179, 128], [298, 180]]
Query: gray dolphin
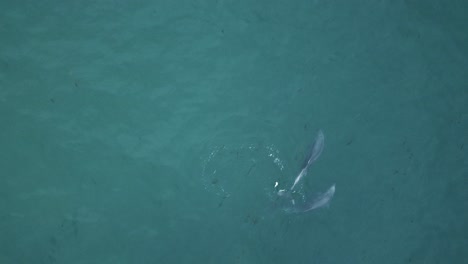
[[308, 204]]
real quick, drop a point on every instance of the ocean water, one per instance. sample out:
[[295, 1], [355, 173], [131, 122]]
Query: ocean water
[[156, 131]]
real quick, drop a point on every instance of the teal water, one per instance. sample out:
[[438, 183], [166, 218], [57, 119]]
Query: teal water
[[154, 131]]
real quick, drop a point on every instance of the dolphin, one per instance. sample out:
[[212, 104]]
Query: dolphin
[[314, 153], [319, 200]]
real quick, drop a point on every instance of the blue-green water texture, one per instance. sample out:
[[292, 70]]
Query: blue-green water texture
[[173, 131]]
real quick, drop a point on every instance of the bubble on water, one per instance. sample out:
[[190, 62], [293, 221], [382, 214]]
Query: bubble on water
[[228, 170]]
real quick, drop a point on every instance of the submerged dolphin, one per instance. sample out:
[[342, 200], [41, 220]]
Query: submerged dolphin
[[319, 200], [314, 153]]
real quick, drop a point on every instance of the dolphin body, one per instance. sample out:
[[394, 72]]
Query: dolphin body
[[317, 201]]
